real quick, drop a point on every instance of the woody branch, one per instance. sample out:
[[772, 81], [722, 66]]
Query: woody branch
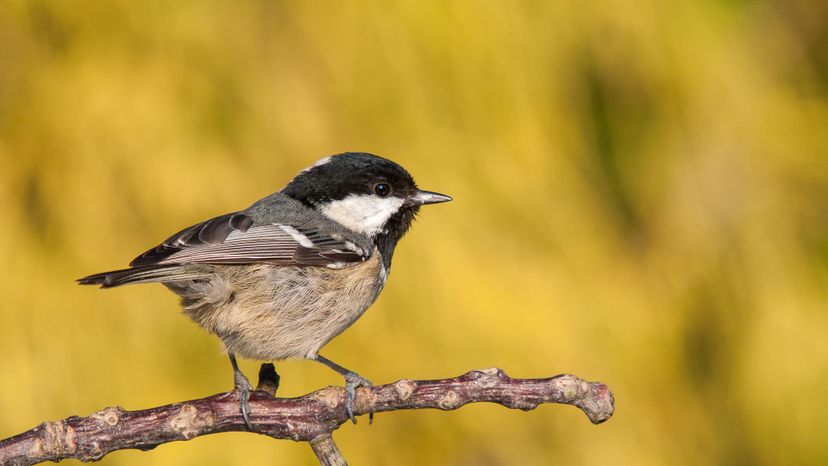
[[310, 418]]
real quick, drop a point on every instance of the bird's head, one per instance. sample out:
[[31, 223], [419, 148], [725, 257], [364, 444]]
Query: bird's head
[[363, 192]]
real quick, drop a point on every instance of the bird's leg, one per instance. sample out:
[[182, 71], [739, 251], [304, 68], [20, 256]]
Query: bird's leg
[[244, 387], [352, 382]]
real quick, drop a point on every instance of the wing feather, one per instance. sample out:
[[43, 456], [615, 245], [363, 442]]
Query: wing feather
[[231, 239]]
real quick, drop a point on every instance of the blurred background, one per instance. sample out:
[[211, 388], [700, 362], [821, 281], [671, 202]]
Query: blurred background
[[641, 198]]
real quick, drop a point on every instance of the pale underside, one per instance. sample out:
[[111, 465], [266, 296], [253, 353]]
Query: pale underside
[[271, 312]]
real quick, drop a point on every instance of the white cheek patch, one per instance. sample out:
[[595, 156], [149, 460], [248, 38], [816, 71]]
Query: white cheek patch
[[364, 214]]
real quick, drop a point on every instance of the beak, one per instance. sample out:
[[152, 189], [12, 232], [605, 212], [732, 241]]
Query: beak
[[428, 197]]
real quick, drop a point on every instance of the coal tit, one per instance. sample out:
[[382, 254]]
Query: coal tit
[[283, 277]]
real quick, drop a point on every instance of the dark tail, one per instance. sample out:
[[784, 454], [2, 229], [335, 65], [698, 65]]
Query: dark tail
[[145, 274]]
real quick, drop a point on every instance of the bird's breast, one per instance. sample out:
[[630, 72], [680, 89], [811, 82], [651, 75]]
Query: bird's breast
[[272, 312]]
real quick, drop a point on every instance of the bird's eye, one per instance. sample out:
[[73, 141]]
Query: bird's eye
[[382, 189]]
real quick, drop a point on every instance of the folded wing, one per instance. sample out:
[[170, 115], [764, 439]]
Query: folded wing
[[232, 239]]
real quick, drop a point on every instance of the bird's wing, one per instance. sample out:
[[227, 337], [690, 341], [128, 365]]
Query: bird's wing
[[233, 239]]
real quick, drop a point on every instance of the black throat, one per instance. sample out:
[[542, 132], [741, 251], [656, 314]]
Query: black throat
[[386, 241]]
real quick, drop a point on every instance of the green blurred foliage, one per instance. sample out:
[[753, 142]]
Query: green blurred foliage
[[641, 198]]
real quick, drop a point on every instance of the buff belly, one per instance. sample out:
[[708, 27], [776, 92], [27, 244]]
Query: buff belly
[[269, 312]]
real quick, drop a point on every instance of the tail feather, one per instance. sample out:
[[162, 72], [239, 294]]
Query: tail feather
[[145, 274]]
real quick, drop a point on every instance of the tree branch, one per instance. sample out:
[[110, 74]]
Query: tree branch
[[310, 418]]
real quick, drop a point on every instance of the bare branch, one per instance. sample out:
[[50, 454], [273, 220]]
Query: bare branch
[[310, 418], [327, 452]]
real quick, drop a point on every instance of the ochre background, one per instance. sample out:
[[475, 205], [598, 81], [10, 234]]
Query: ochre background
[[641, 198]]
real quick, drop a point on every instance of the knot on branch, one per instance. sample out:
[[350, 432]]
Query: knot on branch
[[189, 422], [108, 416], [405, 388], [57, 438]]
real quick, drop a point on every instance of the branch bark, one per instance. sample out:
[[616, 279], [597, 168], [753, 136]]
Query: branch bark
[[310, 418]]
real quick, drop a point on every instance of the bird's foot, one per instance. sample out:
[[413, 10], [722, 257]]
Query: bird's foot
[[243, 387], [352, 382]]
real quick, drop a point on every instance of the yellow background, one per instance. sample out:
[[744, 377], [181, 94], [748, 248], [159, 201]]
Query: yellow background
[[641, 198]]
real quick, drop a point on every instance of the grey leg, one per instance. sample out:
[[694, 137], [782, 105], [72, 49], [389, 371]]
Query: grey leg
[[244, 387], [352, 382]]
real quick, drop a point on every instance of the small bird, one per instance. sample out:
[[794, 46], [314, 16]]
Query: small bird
[[283, 277]]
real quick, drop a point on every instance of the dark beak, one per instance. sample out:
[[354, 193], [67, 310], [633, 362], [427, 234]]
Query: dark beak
[[428, 197]]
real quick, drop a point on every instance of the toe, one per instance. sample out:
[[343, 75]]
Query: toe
[[244, 407], [350, 396]]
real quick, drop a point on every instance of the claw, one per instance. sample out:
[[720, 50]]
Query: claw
[[242, 385], [244, 407], [352, 382]]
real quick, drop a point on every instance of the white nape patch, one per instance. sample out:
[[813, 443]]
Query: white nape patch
[[318, 163], [364, 214], [303, 240]]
